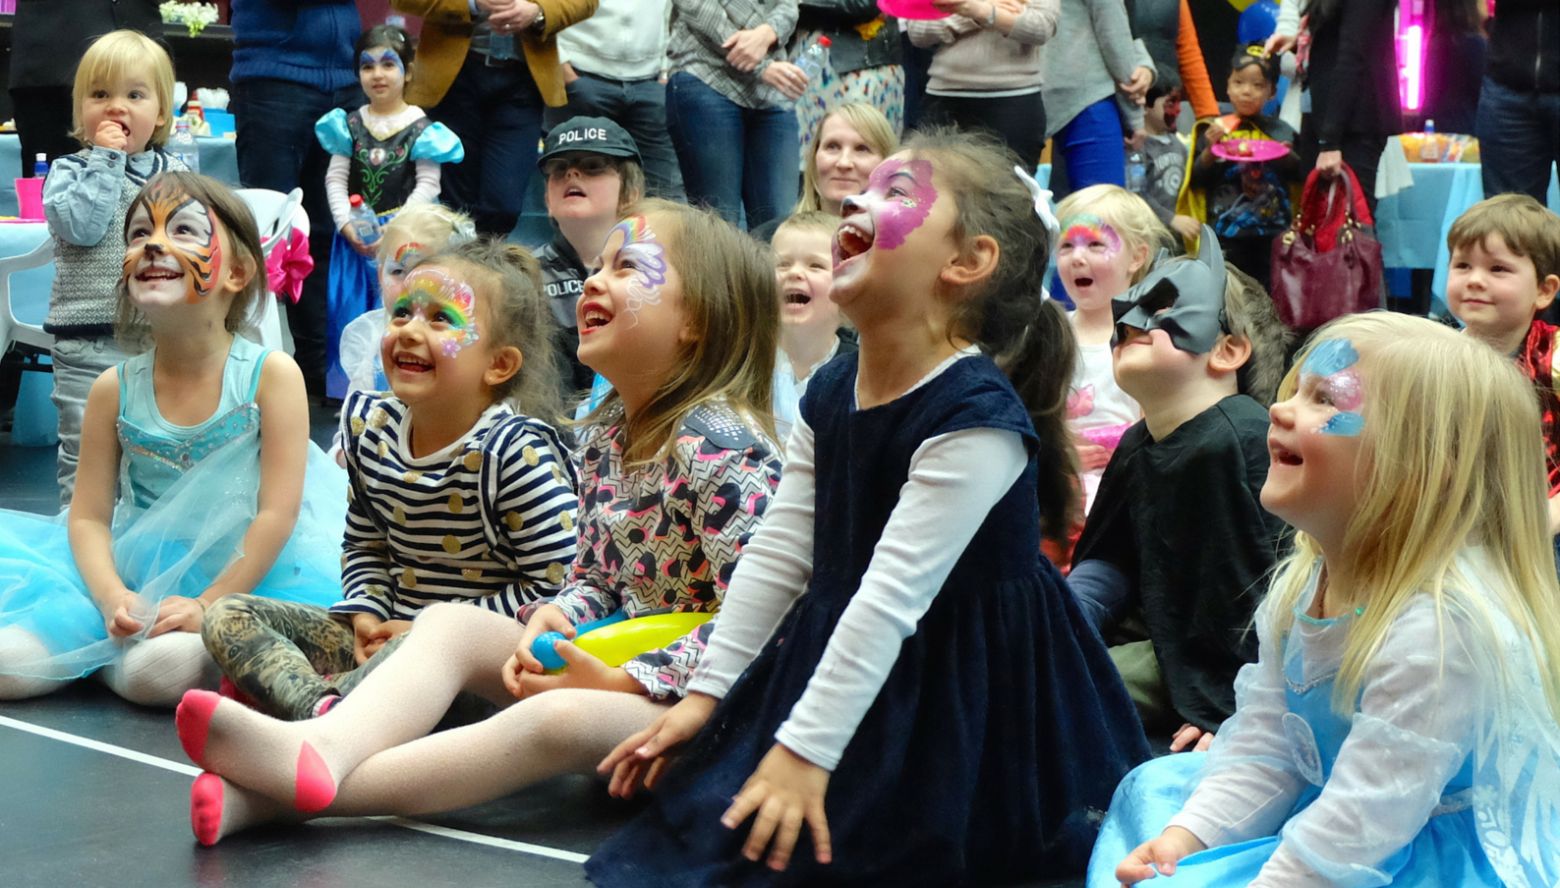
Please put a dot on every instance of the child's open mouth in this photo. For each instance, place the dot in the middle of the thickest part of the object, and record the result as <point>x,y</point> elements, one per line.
<point>593,317</point>
<point>796,297</point>
<point>156,273</point>
<point>1283,457</point>
<point>412,364</point>
<point>851,240</point>
<point>574,191</point>
<point>1083,282</point>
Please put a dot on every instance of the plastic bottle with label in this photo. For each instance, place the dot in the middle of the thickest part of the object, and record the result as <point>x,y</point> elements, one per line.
<point>1137,172</point>
<point>364,223</point>
<point>183,146</point>
<point>40,165</point>
<point>1430,148</point>
<point>814,61</point>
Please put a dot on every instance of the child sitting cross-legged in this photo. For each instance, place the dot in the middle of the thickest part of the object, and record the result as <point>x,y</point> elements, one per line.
<point>1174,552</point>
<point>455,495</point>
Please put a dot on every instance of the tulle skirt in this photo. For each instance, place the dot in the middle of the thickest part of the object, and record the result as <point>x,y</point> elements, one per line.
<point>177,546</point>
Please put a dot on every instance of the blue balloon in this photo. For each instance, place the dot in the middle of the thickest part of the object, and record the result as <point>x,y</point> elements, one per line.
<point>1258,22</point>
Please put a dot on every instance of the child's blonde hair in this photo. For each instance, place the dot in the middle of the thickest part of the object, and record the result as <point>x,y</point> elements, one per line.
<point>430,224</point>
<point>509,281</point>
<point>1451,458</point>
<point>868,122</point>
<point>1526,226</point>
<point>1141,231</point>
<point>732,304</point>
<point>115,57</point>
<point>809,220</point>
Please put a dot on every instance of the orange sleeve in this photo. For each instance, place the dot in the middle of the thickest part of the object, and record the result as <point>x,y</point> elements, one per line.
<point>1194,71</point>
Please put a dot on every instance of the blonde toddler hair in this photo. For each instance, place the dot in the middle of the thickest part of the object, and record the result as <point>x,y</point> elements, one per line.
<point>1130,215</point>
<point>115,57</point>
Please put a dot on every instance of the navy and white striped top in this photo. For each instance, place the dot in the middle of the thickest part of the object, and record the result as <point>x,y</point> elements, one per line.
<point>488,520</point>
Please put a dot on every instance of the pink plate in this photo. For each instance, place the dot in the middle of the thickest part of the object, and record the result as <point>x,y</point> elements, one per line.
<point>911,9</point>
<point>1257,150</point>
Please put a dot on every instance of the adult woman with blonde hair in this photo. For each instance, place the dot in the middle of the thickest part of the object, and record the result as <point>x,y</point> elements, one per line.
<point>846,147</point>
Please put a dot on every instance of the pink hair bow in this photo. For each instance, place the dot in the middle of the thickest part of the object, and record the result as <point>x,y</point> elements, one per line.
<point>288,264</point>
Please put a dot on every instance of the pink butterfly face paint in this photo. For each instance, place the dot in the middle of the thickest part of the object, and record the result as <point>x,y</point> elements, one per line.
<point>637,250</point>
<point>444,303</point>
<point>1329,370</point>
<point>899,195</point>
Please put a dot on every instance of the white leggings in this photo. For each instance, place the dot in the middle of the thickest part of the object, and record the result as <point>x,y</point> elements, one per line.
<point>151,671</point>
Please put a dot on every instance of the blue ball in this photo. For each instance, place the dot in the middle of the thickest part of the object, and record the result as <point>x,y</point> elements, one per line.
<point>543,650</point>
<point>1258,22</point>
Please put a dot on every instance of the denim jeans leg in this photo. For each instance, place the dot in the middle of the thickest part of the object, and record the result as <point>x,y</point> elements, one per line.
<point>1515,146</point>
<point>769,178</point>
<point>644,116</point>
<point>707,130</point>
<point>512,125</point>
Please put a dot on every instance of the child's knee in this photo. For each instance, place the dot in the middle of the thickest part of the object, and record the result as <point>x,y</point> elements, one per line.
<point>158,671</point>
<point>18,651</point>
<point>223,615</point>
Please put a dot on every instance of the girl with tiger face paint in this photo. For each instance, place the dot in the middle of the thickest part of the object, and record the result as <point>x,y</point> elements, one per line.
<point>174,246</point>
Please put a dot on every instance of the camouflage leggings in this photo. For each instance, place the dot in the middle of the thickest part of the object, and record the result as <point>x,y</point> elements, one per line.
<point>286,656</point>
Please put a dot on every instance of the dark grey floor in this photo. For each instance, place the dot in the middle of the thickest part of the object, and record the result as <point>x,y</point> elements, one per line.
<point>104,802</point>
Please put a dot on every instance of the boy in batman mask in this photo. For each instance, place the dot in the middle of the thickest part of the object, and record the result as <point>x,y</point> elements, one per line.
<point>1176,550</point>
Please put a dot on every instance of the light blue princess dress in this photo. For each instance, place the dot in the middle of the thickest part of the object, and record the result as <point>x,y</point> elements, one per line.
<point>1444,774</point>
<point>187,495</point>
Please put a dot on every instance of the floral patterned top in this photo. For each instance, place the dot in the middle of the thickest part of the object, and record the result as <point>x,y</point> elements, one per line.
<point>665,537</point>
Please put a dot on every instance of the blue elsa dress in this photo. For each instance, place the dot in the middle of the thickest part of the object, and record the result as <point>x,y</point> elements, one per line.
<point>1440,775</point>
<point>187,495</point>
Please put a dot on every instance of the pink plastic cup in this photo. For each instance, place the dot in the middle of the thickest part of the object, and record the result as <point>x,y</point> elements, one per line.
<point>29,198</point>
<point>912,9</point>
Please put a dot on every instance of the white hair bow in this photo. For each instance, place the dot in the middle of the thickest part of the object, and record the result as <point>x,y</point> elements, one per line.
<point>1042,198</point>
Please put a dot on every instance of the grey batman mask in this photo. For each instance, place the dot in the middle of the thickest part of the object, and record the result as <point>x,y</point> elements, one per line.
<point>1183,298</point>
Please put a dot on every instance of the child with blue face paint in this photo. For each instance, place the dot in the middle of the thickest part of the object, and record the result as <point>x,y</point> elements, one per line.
<point>1177,541</point>
<point>1398,727</point>
<point>386,152</point>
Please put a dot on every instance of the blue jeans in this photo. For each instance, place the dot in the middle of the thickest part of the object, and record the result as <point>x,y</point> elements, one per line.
<point>1519,137</point>
<point>1091,147</point>
<point>735,160</point>
<point>497,113</point>
<point>638,106</point>
<point>277,149</point>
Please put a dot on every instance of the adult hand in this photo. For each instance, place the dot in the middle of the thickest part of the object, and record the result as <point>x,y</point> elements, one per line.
<point>1158,856</point>
<point>492,6</point>
<point>746,48</point>
<point>786,77</point>
<point>653,747</point>
<point>1091,456</point>
<point>1188,734</point>
<point>363,626</point>
<point>1136,89</point>
<point>381,635</point>
<point>1329,163</point>
<point>569,74</point>
<point>1135,141</point>
<point>517,17</point>
<point>975,10</point>
<point>111,134</point>
<point>548,618</point>
<point>1278,44</point>
<point>786,791</point>
<point>581,670</point>
<point>121,620</point>
<point>177,613</point>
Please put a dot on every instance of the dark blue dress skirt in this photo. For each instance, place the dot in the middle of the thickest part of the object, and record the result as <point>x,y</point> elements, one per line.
<point>994,745</point>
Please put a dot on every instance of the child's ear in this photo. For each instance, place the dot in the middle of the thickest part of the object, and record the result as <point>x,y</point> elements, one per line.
<point>1547,288</point>
<point>238,271</point>
<point>504,364</point>
<point>1229,354</point>
<point>1139,259</point>
<point>976,262</point>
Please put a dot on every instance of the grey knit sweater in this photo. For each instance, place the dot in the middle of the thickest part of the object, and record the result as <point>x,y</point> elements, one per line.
<point>1092,51</point>
<point>973,59</point>
<point>85,199</point>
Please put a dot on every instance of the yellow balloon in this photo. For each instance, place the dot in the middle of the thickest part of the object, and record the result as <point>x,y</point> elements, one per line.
<point>618,643</point>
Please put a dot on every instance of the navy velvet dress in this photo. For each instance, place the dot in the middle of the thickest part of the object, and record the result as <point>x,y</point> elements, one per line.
<point>999,734</point>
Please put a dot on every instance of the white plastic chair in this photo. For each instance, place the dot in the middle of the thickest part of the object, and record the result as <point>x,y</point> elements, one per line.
<point>276,215</point>
<point>13,330</point>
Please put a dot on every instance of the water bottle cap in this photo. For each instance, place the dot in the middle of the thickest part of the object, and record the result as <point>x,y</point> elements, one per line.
<point>355,200</point>
<point>41,157</point>
<point>825,42</point>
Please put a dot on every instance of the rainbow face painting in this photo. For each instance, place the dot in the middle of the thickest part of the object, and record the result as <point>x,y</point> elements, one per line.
<point>899,195</point>
<point>1329,369</point>
<point>394,269</point>
<point>639,251</point>
<point>171,236</point>
<point>446,304</point>
<point>1087,231</point>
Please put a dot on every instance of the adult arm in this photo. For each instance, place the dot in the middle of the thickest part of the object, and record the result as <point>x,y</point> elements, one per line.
<point>1112,33</point>
<point>559,14</point>
<point>954,480</point>
<point>439,11</point>
<point>81,195</point>
<point>938,32</point>
<point>707,20</point>
<point>1194,69</point>
<point>1035,24</point>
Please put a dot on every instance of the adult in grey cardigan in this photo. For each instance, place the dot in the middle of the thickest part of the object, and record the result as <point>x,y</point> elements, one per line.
<point>1090,58</point>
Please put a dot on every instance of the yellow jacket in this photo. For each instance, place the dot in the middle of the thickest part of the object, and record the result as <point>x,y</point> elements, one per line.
<point>446,38</point>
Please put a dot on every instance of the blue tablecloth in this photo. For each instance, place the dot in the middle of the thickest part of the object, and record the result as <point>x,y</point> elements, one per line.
<point>218,159</point>
<point>1413,223</point>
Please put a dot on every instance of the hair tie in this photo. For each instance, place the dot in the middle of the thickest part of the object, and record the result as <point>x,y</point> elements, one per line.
<point>1041,197</point>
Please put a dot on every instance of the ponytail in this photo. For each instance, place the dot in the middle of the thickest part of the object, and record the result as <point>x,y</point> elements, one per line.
<point>1040,367</point>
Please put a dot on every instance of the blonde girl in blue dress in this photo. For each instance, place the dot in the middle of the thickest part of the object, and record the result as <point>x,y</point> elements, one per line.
<point>1399,725</point>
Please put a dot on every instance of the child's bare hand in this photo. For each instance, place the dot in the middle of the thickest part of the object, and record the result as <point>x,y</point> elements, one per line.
<point>1189,734</point>
<point>581,670</point>
<point>363,626</point>
<point>1187,227</point>
<point>356,244</point>
<point>1216,133</point>
<point>1158,856</point>
<point>125,617</point>
<point>381,635</point>
<point>649,751</point>
<point>548,618</point>
<point>786,791</point>
<point>177,613</point>
<point>112,134</point>
<point>1091,456</point>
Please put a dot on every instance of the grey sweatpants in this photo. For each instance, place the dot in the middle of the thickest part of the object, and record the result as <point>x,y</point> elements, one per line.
<point>77,364</point>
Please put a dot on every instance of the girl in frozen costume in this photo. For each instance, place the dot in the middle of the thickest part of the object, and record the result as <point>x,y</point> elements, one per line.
<point>192,475</point>
<point>916,683</point>
<point>387,153</point>
<point>1399,726</point>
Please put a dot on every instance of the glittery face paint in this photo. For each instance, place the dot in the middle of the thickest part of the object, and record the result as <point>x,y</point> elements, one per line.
<point>393,270</point>
<point>900,195</point>
<point>637,249</point>
<point>1329,368</point>
<point>446,304</point>
<point>1087,231</point>
<point>374,56</point>
<point>170,233</point>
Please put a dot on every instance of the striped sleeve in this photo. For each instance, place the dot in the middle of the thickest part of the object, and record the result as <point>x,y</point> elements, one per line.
<point>365,555</point>
<point>532,501</point>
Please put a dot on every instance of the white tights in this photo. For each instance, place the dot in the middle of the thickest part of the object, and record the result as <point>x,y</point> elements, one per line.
<point>151,671</point>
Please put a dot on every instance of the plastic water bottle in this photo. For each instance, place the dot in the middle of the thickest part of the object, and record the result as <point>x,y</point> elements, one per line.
<point>815,60</point>
<point>1430,148</point>
<point>365,224</point>
<point>183,146</point>
<point>1137,172</point>
<point>40,166</point>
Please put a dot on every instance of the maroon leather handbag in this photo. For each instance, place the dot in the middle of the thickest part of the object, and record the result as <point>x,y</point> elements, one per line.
<point>1328,264</point>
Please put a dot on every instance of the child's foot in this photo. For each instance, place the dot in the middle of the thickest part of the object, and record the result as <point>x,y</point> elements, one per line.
<point>253,750</point>
<point>219,808</point>
<point>228,689</point>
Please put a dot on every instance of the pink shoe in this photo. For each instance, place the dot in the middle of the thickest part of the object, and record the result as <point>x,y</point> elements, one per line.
<point>228,689</point>
<point>193,721</point>
<point>206,808</point>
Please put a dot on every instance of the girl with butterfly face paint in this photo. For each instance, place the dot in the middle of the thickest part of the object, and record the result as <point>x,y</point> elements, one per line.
<point>193,457</point>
